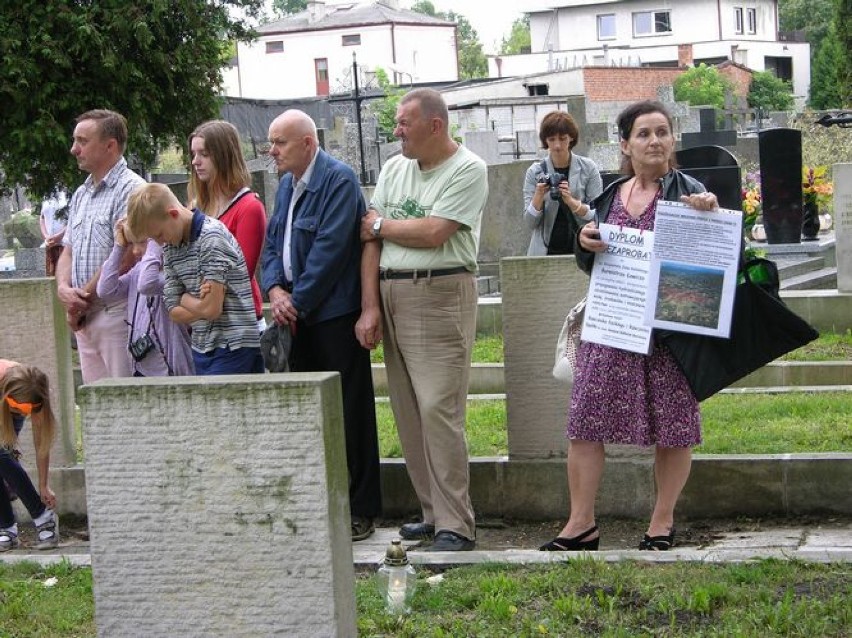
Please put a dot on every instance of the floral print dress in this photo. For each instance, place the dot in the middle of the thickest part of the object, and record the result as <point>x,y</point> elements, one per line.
<point>626,397</point>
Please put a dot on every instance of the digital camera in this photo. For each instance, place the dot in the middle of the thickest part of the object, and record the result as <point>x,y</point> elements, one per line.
<point>553,180</point>
<point>140,348</point>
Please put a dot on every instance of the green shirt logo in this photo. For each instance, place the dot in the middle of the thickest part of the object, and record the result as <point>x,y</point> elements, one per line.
<point>407,209</point>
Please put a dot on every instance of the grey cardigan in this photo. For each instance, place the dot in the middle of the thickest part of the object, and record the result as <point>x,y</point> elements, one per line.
<point>585,182</point>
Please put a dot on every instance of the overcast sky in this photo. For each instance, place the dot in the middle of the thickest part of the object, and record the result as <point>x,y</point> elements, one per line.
<point>492,19</point>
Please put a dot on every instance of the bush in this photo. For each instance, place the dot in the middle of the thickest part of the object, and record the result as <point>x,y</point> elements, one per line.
<point>702,86</point>
<point>769,93</point>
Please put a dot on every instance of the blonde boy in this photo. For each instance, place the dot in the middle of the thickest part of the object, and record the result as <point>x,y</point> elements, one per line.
<point>207,282</point>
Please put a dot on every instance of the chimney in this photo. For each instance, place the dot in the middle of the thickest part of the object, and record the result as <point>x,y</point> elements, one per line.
<point>684,55</point>
<point>316,10</point>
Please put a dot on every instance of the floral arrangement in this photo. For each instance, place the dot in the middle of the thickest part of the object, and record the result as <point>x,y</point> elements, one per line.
<point>816,187</point>
<point>752,206</point>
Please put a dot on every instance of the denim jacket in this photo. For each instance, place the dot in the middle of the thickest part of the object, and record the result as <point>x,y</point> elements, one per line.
<point>325,247</point>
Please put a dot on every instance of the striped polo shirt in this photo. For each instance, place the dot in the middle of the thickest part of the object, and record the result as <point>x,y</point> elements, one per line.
<point>212,254</point>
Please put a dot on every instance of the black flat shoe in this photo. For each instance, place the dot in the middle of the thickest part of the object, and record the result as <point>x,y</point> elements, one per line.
<point>658,543</point>
<point>574,544</point>
<point>447,541</point>
<point>417,531</point>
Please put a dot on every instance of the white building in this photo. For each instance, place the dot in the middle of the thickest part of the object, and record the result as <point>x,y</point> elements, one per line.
<point>576,33</point>
<point>310,53</point>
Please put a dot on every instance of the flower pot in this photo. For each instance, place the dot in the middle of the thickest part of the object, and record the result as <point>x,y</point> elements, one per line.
<point>810,220</point>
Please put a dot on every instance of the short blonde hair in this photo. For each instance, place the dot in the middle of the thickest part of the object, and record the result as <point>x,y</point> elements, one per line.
<point>148,202</point>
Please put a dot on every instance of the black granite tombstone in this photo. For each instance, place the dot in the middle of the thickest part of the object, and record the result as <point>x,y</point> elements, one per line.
<point>717,169</point>
<point>780,152</point>
<point>708,134</point>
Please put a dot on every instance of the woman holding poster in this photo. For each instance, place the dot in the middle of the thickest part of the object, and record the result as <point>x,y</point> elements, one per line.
<point>624,397</point>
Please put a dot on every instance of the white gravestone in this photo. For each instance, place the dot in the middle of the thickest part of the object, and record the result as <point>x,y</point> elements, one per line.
<point>218,506</point>
<point>842,177</point>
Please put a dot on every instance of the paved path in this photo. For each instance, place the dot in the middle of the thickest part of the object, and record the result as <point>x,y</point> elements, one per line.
<point>794,543</point>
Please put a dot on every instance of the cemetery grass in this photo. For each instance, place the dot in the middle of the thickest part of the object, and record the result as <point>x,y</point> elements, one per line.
<point>829,346</point>
<point>731,424</point>
<point>585,597</point>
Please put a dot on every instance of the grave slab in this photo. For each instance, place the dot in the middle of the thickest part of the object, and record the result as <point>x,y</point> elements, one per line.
<point>218,506</point>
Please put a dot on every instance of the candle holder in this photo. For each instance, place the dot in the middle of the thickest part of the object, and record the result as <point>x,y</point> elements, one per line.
<point>397,579</point>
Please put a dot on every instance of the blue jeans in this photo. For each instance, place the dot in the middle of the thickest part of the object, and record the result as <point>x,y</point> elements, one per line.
<point>225,361</point>
<point>16,477</point>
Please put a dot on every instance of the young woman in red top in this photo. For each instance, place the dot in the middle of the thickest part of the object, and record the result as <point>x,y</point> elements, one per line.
<point>219,187</point>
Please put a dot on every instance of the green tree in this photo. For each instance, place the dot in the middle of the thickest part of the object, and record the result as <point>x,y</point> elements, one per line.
<point>283,8</point>
<point>844,37</point>
<point>158,62</point>
<point>769,93</point>
<point>702,86</point>
<point>811,16</point>
<point>385,108</point>
<point>826,71</point>
<point>519,37</point>
<point>472,61</point>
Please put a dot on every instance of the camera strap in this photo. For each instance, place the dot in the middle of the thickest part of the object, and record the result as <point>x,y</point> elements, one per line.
<point>132,323</point>
<point>152,328</point>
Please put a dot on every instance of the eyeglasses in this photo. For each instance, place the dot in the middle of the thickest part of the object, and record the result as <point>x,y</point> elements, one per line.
<point>26,408</point>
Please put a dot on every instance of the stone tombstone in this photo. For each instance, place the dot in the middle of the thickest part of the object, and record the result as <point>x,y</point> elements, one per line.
<point>33,331</point>
<point>709,134</point>
<point>218,506</point>
<point>528,144</point>
<point>537,294</point>
<point>717,169</point>
<point>842,177</point>
<point>781,184</point>
<point>485,145</point>
<point>30,262</point>
<point>504,232</point>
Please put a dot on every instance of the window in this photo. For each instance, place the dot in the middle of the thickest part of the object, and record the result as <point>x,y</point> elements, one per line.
<point>275,46</point>
<point>738,20</point>
<point>352,40</point>
<point>751,15</point>
<point>538,89</point>
<point>651,23</point>
<point>606,26</point>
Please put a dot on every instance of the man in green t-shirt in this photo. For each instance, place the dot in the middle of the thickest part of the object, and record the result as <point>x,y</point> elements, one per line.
<point>421,238</point>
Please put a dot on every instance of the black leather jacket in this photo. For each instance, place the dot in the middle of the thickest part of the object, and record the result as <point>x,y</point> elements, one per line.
<point>674,184</point>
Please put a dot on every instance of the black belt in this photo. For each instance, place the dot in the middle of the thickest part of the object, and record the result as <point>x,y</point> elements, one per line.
<point>420,274</point>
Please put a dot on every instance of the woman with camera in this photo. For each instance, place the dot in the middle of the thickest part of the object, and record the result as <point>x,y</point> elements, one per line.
<point>625,397</point>
<point>133,271</point>
<point>558,189</point>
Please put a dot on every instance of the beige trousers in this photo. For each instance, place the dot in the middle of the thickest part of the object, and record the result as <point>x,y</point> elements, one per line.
<point>429,329</point>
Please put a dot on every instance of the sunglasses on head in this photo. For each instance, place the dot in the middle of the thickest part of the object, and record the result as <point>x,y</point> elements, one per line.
<point>25,407</point>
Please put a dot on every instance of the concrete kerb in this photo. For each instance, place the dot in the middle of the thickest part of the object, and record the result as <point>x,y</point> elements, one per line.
<point>798,543</point>
<point>536,489</point>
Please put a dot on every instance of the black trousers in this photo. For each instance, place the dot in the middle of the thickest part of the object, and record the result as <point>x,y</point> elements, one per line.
<point>331,346</point>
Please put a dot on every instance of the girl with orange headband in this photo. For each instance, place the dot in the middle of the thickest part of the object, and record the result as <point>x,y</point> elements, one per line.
<point>24,392</point>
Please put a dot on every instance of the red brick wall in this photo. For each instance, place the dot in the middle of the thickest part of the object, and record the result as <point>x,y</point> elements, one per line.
<point>612,84</point>
<point>740,77</point>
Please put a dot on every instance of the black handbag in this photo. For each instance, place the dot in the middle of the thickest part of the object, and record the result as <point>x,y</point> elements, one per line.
<point>763,328</point>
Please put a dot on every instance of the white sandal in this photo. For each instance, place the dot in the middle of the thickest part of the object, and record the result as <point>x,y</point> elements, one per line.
<point>47,534</point>
<point>8,540</point>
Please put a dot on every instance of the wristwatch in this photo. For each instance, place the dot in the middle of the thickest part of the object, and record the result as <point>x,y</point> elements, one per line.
<point>377,226</point>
